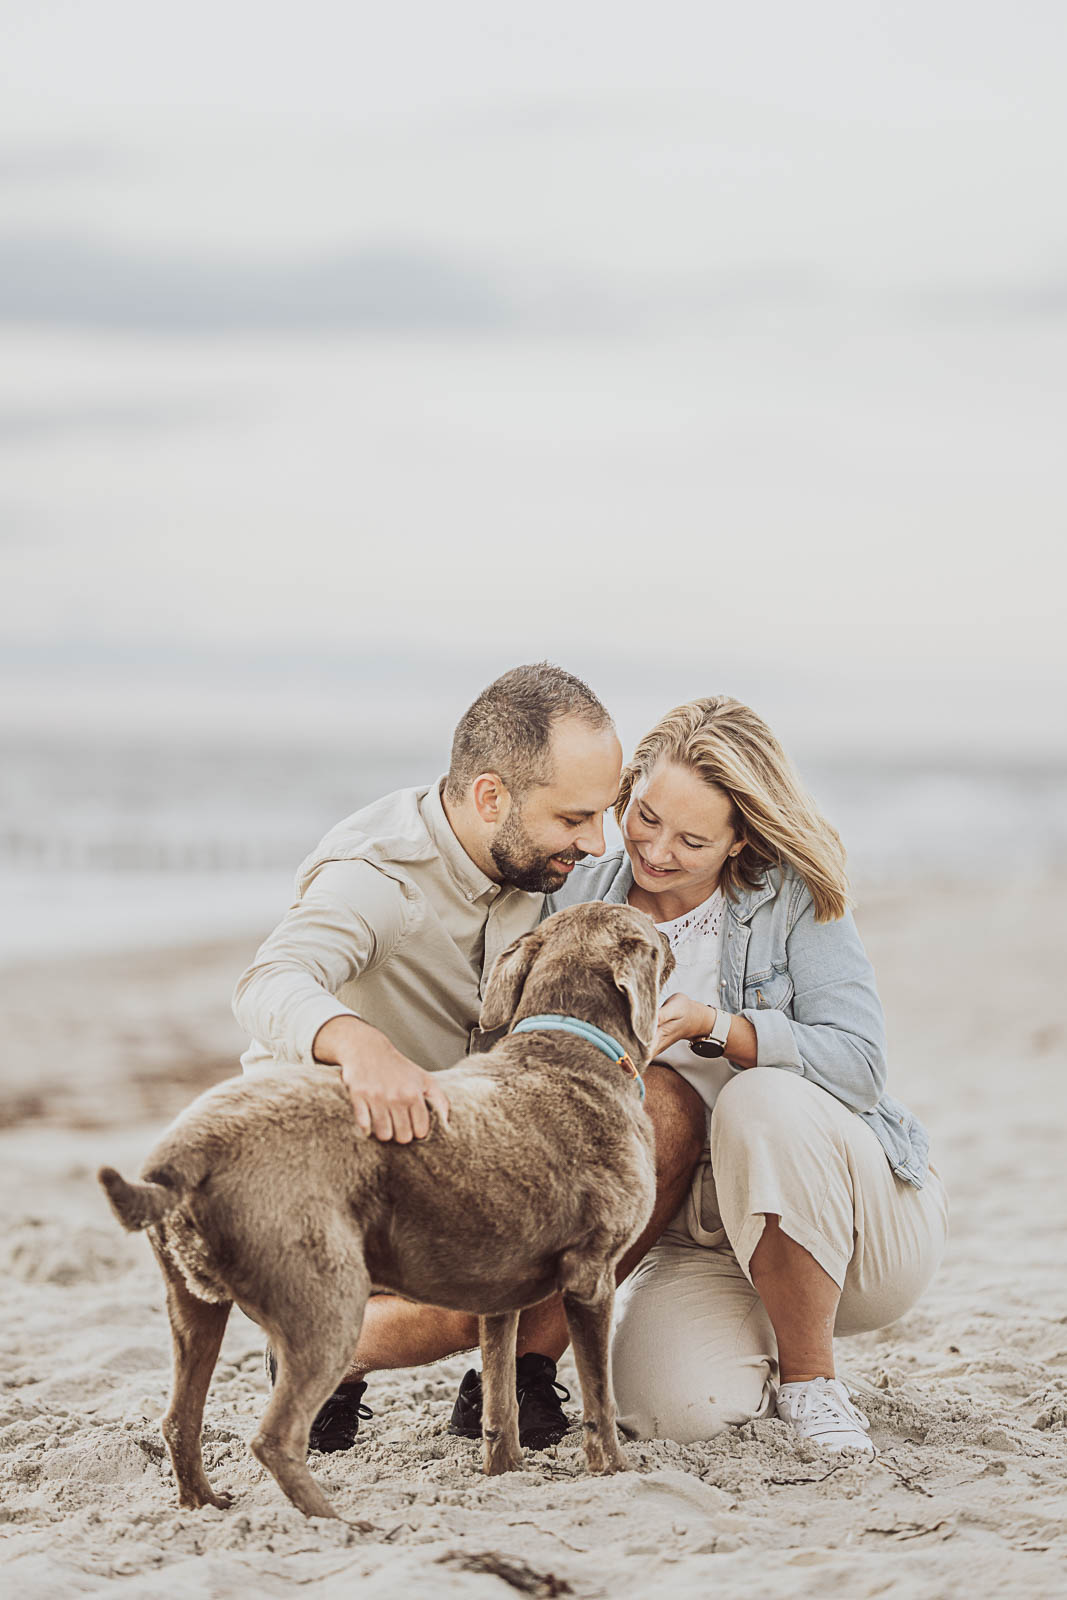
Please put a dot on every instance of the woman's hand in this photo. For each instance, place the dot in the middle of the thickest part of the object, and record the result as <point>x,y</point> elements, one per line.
<point>681,1018</point>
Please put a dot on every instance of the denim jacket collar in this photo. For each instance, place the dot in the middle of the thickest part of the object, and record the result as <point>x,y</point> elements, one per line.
<point>749,901</point>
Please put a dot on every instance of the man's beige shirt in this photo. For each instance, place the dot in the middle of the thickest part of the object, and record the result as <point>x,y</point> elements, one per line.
<point>392,922</point>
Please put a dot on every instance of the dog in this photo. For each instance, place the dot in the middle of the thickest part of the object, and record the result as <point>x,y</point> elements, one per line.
<point>265,1194</point>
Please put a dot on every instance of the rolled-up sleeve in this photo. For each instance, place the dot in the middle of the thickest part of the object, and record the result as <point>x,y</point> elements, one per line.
<point>836,1035</point>
<point>350,918</point>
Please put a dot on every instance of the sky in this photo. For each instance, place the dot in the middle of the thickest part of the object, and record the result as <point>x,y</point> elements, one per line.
<point>692,340</point>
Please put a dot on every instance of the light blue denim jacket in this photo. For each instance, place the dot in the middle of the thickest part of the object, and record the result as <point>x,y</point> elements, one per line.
<point>807,988</point>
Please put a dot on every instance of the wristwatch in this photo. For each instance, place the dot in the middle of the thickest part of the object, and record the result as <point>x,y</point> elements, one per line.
<point>714,1043</point>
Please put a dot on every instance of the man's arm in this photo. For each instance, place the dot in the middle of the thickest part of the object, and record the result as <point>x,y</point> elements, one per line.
<point>350,919</point>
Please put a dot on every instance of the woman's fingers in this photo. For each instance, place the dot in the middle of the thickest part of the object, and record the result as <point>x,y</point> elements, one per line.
<point>679,1018</point>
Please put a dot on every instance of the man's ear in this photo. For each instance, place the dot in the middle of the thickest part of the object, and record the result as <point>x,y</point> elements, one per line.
<point>640,976</point>
<point>506,980</point>
<point>490,797</point>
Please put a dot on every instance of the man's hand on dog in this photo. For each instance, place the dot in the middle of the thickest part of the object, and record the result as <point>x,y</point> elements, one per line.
<point>390,1095</point>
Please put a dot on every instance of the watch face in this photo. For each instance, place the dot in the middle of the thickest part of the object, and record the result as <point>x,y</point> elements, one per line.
<point>707,1047</point>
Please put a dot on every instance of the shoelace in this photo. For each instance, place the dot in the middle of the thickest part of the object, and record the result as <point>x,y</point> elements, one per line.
<point>534,1381</point>
<point>828,1402</point>
<point>339,1408</point>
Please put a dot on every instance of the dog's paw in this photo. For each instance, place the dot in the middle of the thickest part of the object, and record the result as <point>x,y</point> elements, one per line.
<point>603,1457</point>
<point>197,1499</point>
<point>499,1458</point>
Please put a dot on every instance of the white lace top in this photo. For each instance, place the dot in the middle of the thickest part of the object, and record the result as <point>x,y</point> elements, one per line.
<point>696,944</point>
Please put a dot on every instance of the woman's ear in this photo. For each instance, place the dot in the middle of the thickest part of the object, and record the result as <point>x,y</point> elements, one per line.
<point>506,980</point>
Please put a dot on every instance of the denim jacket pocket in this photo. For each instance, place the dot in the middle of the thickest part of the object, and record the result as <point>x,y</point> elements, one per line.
<point>769,991</point>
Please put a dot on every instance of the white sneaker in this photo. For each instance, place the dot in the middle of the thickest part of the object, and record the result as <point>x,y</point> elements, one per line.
<point>822,1410</point>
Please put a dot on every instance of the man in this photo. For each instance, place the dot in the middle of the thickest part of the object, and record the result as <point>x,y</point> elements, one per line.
<point>379,969</point>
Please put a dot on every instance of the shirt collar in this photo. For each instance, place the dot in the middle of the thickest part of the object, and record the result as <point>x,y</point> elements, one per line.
<point>466,874</point>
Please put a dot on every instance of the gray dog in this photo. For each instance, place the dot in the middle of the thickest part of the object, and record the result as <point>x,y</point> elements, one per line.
<point>264,1193</point>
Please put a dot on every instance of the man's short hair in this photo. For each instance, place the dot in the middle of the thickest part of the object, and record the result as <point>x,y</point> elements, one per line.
<point>508,729</point>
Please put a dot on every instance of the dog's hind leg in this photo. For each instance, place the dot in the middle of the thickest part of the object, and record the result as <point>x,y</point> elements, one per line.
<point>589,1323</point>
<point>197,1327</point>
<point>313,1333</point>
<point>500,1407</point>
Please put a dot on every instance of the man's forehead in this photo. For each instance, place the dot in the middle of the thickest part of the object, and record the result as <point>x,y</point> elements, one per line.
<point>581,769</point>
<point>582,799</point>
<point>572,734</point>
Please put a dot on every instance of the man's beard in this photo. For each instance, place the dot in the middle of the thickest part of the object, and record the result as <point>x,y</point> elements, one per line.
<point>521,864</point>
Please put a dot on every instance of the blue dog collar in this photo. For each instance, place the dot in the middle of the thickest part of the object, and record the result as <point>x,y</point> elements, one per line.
<point>551,1023</point>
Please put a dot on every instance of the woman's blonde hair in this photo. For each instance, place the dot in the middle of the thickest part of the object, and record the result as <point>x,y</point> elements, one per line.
<point>727,745</point>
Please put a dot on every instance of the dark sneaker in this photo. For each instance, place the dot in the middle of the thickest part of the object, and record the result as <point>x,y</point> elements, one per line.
<point>466,1419</point>
<point>337,1424</point>
<point>338,1421</point>
<point>542,1419</point>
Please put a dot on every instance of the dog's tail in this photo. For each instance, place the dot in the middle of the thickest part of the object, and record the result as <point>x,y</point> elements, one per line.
<point>138,1205</point>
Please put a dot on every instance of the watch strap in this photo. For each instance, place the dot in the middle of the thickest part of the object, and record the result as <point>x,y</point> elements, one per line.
<point>713,1044</point>
<point>721,1029</point>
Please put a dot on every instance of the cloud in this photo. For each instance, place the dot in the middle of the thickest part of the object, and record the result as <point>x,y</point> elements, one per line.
<point>75,282</point>
<point>72,162</point>
<point>81,283</point>
<point>1039,299</point>
<point>19,423</point>
<point>68,281</point>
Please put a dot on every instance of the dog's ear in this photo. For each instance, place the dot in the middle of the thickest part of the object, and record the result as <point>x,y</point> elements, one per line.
<point>640,977</point>
<point>506,980</point>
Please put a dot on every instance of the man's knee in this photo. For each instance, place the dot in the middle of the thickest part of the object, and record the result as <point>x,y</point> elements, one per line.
<point>679,1119</point>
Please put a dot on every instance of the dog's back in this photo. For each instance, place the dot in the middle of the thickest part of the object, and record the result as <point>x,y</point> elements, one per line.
<point>262,1166</point>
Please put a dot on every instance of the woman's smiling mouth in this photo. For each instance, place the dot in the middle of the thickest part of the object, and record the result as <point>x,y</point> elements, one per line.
<point>655,872</point>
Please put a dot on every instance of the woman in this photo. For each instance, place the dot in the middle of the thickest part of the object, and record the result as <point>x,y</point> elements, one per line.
<point>814,1211</point>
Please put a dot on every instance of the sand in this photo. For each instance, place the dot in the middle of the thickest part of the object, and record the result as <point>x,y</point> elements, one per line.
<point>967,1394</point>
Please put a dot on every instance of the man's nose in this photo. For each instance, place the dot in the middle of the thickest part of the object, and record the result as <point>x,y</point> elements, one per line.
<point>591,839</point>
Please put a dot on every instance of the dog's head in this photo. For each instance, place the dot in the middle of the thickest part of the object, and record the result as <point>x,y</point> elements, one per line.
<point>565,962</point>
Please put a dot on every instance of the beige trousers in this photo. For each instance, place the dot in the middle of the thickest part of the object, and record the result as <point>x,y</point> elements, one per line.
<point>694,1351</point>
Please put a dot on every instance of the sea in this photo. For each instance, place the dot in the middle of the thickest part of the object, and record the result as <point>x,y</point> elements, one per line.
<point>113,840</point>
